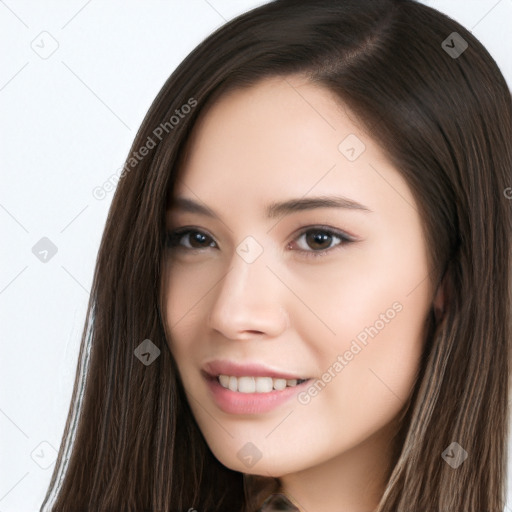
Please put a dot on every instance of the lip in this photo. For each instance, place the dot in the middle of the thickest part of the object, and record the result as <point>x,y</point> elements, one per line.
<point>251,369</point>
<point>234,402</point>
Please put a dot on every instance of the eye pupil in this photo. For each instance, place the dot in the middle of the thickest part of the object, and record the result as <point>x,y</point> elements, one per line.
<point>197,237</point>
<point>319,237</point>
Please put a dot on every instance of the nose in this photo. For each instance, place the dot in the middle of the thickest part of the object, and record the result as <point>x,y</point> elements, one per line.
<point>248,301</point>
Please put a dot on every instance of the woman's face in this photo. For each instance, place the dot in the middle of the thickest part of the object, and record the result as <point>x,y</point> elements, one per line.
<point>337,294</point>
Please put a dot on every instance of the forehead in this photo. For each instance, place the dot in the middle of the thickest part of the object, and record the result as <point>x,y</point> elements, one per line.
<point>281,126</point>
<point>284,138</point>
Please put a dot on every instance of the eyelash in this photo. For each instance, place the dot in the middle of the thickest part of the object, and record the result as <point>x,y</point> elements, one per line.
<point>175,236</point>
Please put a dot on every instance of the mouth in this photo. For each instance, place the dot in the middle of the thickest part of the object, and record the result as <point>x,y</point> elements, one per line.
<point>250,387</point>
<point>250,395</point>
<point>253,384</point>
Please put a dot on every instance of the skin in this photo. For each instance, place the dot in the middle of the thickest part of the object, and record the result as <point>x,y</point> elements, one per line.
<point>275,141</point>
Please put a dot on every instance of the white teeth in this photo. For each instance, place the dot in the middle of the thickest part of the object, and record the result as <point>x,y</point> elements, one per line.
<point>255,384</point>
<point>224,380</point>
<point>246,384</point>
<point>263,384</point>
<point>279,384</point>
<point>233,383</point>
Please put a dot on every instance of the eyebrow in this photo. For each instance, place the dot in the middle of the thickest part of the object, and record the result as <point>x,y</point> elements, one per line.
<point>276,209</point>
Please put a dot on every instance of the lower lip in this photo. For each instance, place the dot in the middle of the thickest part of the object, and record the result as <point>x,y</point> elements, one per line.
<point>234,402</point>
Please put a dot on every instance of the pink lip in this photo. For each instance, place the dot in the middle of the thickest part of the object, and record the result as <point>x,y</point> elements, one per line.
<point>224,367</point>
<point>234,402</point>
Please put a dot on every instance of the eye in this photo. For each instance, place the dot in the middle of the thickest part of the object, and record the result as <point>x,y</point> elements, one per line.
<point>199,238</point>
<point>317,237</point>
<point>322,236</point>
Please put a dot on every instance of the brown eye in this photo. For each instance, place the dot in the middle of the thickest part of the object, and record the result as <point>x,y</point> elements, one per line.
<point>318,240</point>
<point>196,239</point>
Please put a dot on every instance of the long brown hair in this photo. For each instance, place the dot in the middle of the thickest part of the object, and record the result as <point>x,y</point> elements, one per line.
<point>442,113</point>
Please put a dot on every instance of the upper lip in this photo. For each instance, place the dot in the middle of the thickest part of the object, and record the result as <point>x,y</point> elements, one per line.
<point>251,369</point>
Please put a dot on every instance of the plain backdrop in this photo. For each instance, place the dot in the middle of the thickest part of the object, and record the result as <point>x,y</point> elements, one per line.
<point>76,79</point>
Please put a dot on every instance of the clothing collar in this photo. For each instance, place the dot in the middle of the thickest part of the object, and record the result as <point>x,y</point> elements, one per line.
<point>263,494</point>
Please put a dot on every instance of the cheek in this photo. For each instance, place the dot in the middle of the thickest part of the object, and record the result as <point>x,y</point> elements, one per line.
<point>381,370</point>
<point>368,366</point>
<point>185,288</point>
<point>361,298</point>
<point>374,360</point>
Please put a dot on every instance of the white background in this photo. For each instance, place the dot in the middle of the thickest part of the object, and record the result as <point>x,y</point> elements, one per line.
<point>67,124</point>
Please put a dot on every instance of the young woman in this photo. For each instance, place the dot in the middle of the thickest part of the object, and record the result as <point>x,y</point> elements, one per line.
<point>302,298</point>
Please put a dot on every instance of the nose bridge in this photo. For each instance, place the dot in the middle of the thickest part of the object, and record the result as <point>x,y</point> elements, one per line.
<point>247,274</point>
<point>248,296</point>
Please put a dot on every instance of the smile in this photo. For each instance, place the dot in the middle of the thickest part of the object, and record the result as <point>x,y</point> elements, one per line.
<point>244,400</point>
<point>256,384</point>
